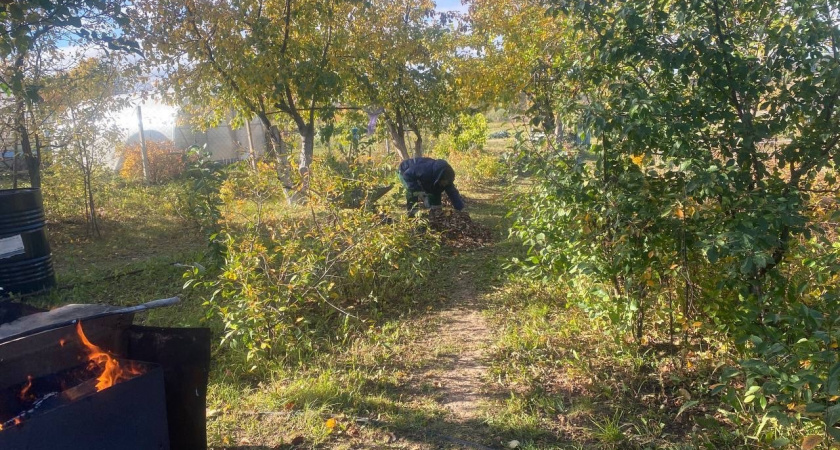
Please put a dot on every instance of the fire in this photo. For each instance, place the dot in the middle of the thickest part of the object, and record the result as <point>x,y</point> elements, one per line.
<point>112,373</point>
<point>24,393</point>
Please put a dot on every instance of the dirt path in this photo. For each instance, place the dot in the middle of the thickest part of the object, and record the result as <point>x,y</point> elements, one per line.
<point>457,371</point>
<point>455,374</point>
<point>462,381</point>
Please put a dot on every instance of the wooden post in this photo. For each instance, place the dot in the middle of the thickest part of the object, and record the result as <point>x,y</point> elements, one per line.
<point>251,155</point>
<point>143,156</point>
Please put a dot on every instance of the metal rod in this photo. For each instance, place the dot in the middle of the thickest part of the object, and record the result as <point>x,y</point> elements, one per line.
<point>129,310</point>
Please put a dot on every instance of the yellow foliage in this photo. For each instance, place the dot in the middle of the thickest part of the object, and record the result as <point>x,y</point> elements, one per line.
<point>165,162</point>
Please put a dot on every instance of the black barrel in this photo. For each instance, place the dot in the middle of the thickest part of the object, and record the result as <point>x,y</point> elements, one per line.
<point>25,258</point>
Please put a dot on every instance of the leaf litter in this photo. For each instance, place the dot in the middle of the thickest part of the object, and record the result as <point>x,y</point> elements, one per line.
<point>458,229</point>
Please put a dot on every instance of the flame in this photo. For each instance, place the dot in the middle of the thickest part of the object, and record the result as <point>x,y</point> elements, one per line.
<point>111,370</point>
<point>24,393</point>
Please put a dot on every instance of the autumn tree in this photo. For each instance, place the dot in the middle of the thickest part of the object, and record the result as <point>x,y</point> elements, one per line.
<point>403,62</point>
<point>520,49</point>
<point>83,135</point>
<point>273,59</point>
<point>30,33</point>
<point>164,162</point>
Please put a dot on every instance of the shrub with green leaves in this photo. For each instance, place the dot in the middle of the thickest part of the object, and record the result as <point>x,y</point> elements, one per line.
<point>352,183</point>
<point>199,200</point>
<point>469,133</point>
<point>715,128</point>
<point>294,279</point>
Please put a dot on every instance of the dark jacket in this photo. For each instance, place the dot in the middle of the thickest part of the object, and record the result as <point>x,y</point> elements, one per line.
<point>433,176</point>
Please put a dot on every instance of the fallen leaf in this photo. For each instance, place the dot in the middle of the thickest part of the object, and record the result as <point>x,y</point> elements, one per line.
<point>811,441</point>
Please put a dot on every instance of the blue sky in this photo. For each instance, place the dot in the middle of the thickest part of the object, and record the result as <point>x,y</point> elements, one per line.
<point>450,5</point>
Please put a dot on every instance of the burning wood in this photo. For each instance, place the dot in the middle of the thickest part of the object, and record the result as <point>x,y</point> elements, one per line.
<point>17,420</point>
<point>101,372</point>
<point>99,359</point>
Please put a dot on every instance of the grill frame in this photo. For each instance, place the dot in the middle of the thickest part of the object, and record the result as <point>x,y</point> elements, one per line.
<point>130,415</point>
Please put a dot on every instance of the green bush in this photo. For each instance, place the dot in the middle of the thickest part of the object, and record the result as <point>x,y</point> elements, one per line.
<point>477,167</point>
<point>297,284</point>
<point>637,251</point>
<point>355,183</point>
<point>63,192</point>
<point>463,148</point>
<point>443,146</point>
<point>469,133</point>
<point>293,279</point>
<point>790,370</point>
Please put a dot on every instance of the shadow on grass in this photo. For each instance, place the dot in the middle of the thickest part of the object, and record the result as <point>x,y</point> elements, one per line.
<point>413,427</point>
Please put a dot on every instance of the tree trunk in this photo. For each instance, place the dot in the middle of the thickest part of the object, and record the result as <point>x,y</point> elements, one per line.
<point>86,166</point>
<point>640,315</point>
<point>277,149</point>
<point>398,135</point>
<point>418,145</point>
<point>92,219</point>
<point>305,160</point>
<point>252,155</point>
<point>33,161</point>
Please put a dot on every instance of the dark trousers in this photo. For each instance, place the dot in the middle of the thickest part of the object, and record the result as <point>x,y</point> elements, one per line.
<point>411,197</point>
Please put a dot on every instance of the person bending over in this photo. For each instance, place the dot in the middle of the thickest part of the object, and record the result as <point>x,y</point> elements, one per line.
<point>426,179</point>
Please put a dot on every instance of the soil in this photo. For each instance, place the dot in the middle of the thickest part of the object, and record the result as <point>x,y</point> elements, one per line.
<point>456,372</point>
<point>462,380</point>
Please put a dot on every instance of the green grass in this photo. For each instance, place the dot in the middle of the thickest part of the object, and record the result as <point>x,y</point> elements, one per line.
<point>565,383</point>
<point>575,383</point>
<point>135,259</point>
<point>608,430</point>
<point>372,377</point>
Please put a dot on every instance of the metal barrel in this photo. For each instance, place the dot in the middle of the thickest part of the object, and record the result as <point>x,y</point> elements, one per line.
<point>25,259</point>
